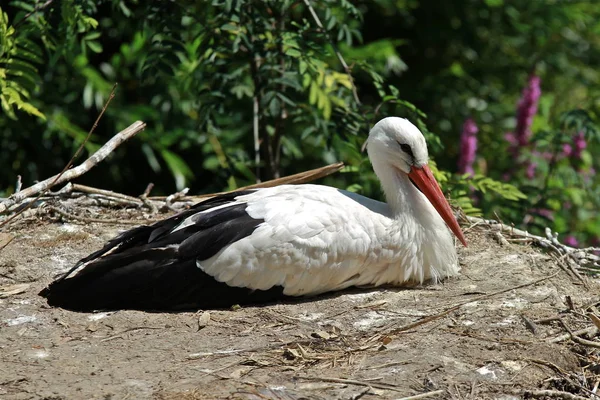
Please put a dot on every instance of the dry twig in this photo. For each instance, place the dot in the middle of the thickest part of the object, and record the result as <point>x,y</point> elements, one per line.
<point>88,220</point>
<point>108,194</point>
<point>41,187</point>
<point>73,173</point>
<point>424,395</point>
<point>584,342</point>
<point>569,258</point>
<point>144,198</point>
<point>590,330</point>
<point>296,179</point>
<point>174,197</point>
<point>383,386</point>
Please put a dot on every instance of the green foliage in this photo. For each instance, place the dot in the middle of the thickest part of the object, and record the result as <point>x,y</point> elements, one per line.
<point>563,190</point>
<point>232,91</point>
<point>18,74</point>
<point>462,190</point>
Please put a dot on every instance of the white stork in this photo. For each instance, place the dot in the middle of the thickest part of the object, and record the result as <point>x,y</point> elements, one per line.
<point>262,245</point>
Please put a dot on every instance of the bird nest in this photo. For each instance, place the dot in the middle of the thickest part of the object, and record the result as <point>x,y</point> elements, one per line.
<point>519,320</point>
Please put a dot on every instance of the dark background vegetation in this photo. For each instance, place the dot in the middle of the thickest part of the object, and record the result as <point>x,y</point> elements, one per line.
<point>202,73</point>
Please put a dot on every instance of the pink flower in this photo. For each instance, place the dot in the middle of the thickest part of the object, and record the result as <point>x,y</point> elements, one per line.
<point>544,212</point>
<point>571,241</point>
<point>580,145</point>
<point>567,150</point>
<point>526,110</point>
<point>511,139</point>
<point>468,147</point>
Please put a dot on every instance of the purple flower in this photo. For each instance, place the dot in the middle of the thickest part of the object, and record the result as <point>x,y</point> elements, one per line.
<point>531,167</point>
<point>571,241</point>
<point>580,145</point>
<point>468,147</point>
<point>545,155</point>
<point>526,110</point>
<point>567,150</point>
<point>511,139</point>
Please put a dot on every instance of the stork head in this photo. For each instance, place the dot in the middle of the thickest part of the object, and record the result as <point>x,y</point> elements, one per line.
<point>403,145</point>
<point>400,142</point>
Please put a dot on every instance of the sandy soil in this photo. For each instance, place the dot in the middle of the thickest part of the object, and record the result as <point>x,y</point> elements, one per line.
<point>469,338</point>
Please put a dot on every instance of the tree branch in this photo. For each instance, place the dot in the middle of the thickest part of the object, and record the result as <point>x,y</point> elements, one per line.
<point>296,179</point>
<point>254,64</point>
<point>73,173</point>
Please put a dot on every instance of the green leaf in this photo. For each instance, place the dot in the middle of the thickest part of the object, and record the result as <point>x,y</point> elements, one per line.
<point>96,47</point>
<point>178,167</point>
<point>293,53</point>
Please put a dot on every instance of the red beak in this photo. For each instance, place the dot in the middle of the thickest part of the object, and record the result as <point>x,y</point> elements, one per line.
<point>423,178</point>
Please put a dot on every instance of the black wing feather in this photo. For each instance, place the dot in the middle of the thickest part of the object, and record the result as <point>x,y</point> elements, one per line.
<point>153,268</point>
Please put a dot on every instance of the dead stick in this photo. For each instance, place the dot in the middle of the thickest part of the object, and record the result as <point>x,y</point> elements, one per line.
<point>423,395</point>
<point>103,192</point>
<point>351,382</point>
<point>542,241</point>
<point>144,198</point>
<point>56,178</point>
<point>76,172</point>
<point>560,371</point>
<point>302,177</point>
<point>575,255</point>
<point>299,178</point>
<point>100,220</point>
<point>584,342</point>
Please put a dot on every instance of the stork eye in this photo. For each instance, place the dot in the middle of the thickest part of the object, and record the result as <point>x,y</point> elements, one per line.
<point>406,148</point>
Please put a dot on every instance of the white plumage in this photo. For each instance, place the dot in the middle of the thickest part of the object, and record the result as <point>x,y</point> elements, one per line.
<point>316,239</point>
<point>311,239</point>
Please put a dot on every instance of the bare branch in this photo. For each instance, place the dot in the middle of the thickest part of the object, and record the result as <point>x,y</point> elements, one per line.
<point>73,173</point>
<point>255,130</point>
<point>19,184</point>
<point>302,177</point>
<point>70,216</point>
<point>51,183</point>
<point>144,198</point>
<point>75,187</point>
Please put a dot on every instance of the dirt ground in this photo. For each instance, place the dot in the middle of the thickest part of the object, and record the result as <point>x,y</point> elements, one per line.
<point>479,336</point>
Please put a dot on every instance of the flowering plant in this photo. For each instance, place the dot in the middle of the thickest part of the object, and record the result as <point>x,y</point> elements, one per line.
<point>550,162</point>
